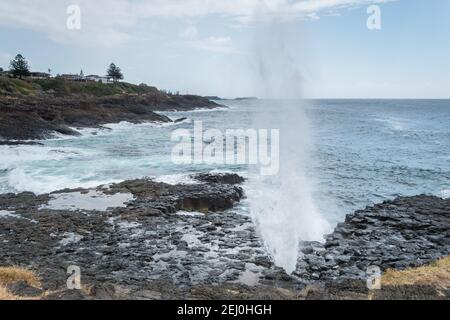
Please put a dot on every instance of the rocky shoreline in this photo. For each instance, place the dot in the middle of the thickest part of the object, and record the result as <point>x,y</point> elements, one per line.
<point>40,117</point>
<point>161,241</point>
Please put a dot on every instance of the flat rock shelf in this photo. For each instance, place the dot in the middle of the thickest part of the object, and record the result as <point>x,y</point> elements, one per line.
<point>163,241</point>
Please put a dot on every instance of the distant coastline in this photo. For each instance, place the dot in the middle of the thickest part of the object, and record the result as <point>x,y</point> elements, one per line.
<point>216,98</point>
<point>33,109</point>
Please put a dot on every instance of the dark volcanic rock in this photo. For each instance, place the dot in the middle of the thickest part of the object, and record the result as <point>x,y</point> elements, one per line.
<point>405,232</point>
<point>357,290</point>
<point>38,117</point>
<point>18,143</point>
<point>171,198</point>
<point>224,178</point>
<point>134,245</point>
<point>180,120</point>
<point>22,289</point>
<point>148,249</point>
<point>68,295</point>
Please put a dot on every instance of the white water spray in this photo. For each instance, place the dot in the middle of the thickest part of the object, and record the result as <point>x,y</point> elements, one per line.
<point>282,206</point>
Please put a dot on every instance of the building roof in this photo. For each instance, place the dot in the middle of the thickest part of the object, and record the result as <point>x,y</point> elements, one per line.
<point>40,73</point>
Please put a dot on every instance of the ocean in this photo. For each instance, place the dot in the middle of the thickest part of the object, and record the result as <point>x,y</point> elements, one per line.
<point>360,152</point>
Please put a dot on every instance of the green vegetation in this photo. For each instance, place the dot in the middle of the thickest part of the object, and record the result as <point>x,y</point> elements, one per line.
<point>10,86</point>
<point>19,67</point>
<point>63,87</point>
<point>114,72</point>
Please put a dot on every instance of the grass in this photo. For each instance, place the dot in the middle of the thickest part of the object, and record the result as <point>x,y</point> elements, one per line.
<point>436,274</point>
<point>10,86</point>
<point>5,295</point>
<point>16,86</point>
<point>10,275</point>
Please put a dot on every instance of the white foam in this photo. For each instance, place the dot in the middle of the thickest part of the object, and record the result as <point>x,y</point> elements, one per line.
<point>20,180</point>
<point>445,194</point>
<point>19,164</point>
<point>89,132</point>
<point>192,239</point>
<point>125,125</point>
<point>93,200</point>
<point>203,110</point>
<point>250,277</point>
<point>126,225</point>
<point>395,124</point>
<point>69,238</point>
<point>111,128</point>
<point>176,179</point>
<point>9,214</point>
<point>190,214</point>
<point>13,156</point>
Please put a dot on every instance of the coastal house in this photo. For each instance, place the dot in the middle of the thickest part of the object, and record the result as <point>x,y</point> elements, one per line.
<point>96,78</point>
<point>71,77</point>
<point>39,75</point>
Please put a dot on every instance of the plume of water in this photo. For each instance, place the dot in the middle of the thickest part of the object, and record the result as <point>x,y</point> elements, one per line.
<point>282,205</point>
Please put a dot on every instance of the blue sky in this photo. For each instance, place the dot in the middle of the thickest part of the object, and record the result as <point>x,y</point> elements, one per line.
<point>267,48</point>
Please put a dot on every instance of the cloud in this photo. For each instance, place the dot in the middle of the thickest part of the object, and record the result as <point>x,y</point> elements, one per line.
<point>211,44</point>
<point>243,10</point>
<point>111,22</point>
<point>103,23</point>
<point>190,32</point>
<point>214,44</point>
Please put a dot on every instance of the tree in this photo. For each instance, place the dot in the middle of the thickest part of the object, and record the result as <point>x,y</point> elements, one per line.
<point>19,67</point>
<point>1,69</point>
<point>114,72</point>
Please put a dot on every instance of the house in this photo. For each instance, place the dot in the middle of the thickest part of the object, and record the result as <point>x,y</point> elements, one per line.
<point>39,75</point>
<point>96,78</point>
<point>72,77</point>
<point>5,73</point>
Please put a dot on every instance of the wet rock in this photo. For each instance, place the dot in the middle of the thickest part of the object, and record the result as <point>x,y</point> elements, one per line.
<point>224,178</point>
<point>23,289</point>
<point>180,120</point>
<point>146,251</point>
<point>68,295</point>
<point>40,116</point>
<point>405,232</point>
<point>103,292</point>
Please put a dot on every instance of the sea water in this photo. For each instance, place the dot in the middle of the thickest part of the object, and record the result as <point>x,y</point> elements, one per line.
<point>359,152</point>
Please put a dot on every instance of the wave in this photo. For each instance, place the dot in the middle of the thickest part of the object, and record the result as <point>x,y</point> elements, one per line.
<point>19,180</point>
<point>182,178</point>
<point>198,110</point>
<point>13,156</point>
<point>125,125</point>
<point>393,123</point>
<point>111,128</point>
<point>445,194</point>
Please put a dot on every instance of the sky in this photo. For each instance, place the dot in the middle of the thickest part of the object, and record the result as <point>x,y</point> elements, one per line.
<point>231,48</point>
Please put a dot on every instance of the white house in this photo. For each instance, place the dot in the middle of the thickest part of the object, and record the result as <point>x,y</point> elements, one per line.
<point>39,75</point>
<point>97,78</point>
<point>73,77</point>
